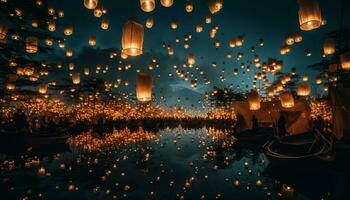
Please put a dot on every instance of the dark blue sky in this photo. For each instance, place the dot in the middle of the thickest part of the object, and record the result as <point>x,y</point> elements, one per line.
<point>255,19</point>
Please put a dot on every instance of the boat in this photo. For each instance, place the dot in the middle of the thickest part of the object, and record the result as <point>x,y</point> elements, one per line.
<point>304,149</point>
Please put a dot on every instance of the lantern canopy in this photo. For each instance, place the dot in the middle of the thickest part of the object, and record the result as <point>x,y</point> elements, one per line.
<point>287,99</point>
<point>254,100</point>
<point>309,15</point>
<point>147,5</point>
<point>132,39</point>
<point>144,84</point>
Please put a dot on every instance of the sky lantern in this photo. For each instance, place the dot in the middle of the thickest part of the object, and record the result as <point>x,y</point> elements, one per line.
<point>98,11</point>
<point>232,42</point>
<point>207,19</point>
<point>31,44</point>
<point>287,99</point>
<point>189,6</point>
<point>289,40</point>
<point>329,46</point>
<point>167,3</point>
<point>199,28</point>
<point>173,24</point>
<point>303,89</point>
<point>215,5</point>
<point>105,24</point>
<point>144,84</point>
<point>68,30</point>
<point>86,71</point>
<point>309,15</point>
<point>3,31</point>
<point>132,39</point>
<point>92,40</point>
<point>10,86</point>
<point>42,88</point>
<point>149,22</point>
<point>90,4</point>
<point>254,100</point>
<point>191,59</point>
<point>76,78</point>
<point>69,52</point>
<point>345,60</point>
<point>318,80</point>
<point>147,5</point>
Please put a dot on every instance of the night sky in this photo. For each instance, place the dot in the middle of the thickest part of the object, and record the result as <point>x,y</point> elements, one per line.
<point>270,20</point>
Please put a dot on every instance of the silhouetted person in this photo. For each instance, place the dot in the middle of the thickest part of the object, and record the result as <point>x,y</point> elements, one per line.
<point>282,126</point>
<point>255,123</point>
<point>20,121</point>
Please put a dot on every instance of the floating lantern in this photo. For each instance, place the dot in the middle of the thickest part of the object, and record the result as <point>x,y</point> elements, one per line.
<point>10,86</point>
<point>105,24</point>
<point>287,99</point>
<point>149,22</point>
<point>35,23</point>
<point>132,39</point>
<point>90,4</point>
<point>42,88</point>
<point>60,14</point>
<point>69,52</point>
<point>189,7</point>
<point>167,3</point>
<point>41,171</point>
<point>3,30</point>
<point>147,5</point>
<point>199,28</point>
<point>329,46</point>
<point>318,80</point>
<point>305,77</point>
<point>289,40</point>
<point>207,19</point>
<point>254,100</point>
<point>92,40</point>
<point>51,25</point>
<point>76,78</point>
<point>68,30</point>
<point>31,44</point>
<point>298,38</point>
<point>98,12</point>
<point>309,15</point>
<point>303,89</point>
<point>191,59</point>
<point>173,24</point>
<point>86,71</point>
<point>144,86</point>
<point>215,6</point>
<point>49,41</point>
<point>345,60</point>
<point>232,42</point>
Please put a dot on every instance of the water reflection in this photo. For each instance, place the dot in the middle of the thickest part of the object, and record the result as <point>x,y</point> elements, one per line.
<point>177,163</point>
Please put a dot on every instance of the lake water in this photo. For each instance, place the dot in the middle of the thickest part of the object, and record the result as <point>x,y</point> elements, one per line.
<point>171,164</point>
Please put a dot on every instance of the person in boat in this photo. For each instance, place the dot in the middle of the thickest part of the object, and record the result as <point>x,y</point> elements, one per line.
<point>255,123</point>
<point>239,123</point>
<point>282,126</point>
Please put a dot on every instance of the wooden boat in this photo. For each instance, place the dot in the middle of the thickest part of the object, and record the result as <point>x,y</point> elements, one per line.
<point>302,150</point>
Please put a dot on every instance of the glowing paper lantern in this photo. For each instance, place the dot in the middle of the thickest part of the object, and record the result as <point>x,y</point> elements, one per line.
<point>69,52</point>
<point>147,5</point>
<point>167,3</point>
<point>105,24</point>
<point>287,99</point>
<point>132,39</point>
<point>189,7</point>
<point>345,60</point>
<point>303,89</point>
<point>86,71</point>
<point>31,44</point>
<point>309,15</point>
<point>199,28</point>
<point>144,84</point>
<point>92,40</point>
<point>10,86</point>
<point>254,100</point>
<point>215,6</point>
<point>90,4</point>
<point>68,30</point>
<point>329,46</point>
<point>42,88</point>
<point>149,22</point>
<point>191,59</point>
<point>76,78</point>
